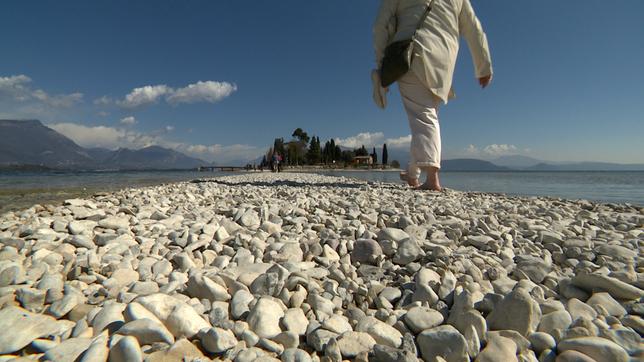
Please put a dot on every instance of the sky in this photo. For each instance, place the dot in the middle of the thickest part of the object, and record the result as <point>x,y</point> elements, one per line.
<point>220,80</point>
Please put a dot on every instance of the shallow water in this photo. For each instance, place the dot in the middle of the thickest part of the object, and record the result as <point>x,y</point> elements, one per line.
<point>613,187</point>
<point>23,189</point>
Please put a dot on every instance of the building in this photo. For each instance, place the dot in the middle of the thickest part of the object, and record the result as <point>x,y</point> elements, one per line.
<point>362,161</point>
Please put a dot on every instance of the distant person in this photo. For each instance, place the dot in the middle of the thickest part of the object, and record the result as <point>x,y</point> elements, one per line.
<point>279,162</point>
<point>276,162</point>
<point>428,83</point>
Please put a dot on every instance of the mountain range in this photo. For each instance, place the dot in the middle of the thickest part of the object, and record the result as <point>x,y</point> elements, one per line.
<point>29,144</point>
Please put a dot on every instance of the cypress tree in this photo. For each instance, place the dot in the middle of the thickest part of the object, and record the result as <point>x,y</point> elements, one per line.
<point>385,155</point>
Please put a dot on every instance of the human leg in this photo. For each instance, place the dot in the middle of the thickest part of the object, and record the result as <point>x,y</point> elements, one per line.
<point>421,106</point>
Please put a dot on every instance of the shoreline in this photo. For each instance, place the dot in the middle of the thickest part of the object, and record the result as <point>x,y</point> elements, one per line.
<point>16,199</point>
<point>296,266</point>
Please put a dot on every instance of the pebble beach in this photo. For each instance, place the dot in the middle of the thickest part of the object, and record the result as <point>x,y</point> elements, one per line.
<point>304,267</point>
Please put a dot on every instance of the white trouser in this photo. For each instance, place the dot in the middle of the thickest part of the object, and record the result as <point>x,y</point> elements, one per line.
<point>422,110</point>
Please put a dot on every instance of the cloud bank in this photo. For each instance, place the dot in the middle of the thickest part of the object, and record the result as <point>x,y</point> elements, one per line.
<point>208,91</point>
<point>373,139</point>
<point>494,150</point>
<point>18,88</point>
<point>128,121</point>
<point>113,138</point>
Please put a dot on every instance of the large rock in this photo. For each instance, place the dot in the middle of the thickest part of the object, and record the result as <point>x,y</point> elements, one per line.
<point>147,331</point>
<point>420,318</point>
<point>110,317</point>
<point>202,287</point>
<point>115,223</point>
<point>295,321</point>
<point>443,341</point>
<point>68,350</point>
<point>556,320</point>
<point>381,332</point>
<point>127,349</point>
<point>264,318</point>
<point>353,343</point>
<point>392,234</point>
<point>19,327</point>
<point>217,340</point>
<point>613,307</point>
<point>180,318</point>
<point>615,287</point>
<point>599,349</point>
<point>498,348</point>
<point>517,311</point>
<point>366,251</point>
<point>408,251</point>
<point>181,350</point>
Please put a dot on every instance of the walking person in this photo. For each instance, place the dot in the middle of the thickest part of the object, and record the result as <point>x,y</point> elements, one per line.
<point>434,27</point>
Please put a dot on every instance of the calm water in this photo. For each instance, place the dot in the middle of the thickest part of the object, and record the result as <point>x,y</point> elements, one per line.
<point>23,189</point>
<point>615,187</point>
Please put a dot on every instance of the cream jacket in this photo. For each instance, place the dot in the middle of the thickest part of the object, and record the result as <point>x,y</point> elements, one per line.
<point>437,40</point>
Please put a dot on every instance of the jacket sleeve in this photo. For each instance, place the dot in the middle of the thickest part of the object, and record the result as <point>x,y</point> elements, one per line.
<point>470,28</point>
<point>384,28</point>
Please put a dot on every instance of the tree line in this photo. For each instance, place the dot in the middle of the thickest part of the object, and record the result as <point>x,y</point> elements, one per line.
<point>303,150</point>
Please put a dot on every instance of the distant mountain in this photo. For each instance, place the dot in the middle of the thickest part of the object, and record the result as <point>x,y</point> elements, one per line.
<point>586,166</point>
<point>153,157</point>
<point>467,164</point>
<point>99,154</point>
<point>30,144</point>
<point>516,161</point>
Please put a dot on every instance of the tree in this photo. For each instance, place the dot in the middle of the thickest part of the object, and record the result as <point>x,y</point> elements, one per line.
<point>374,156</point>
<point>327,153</point>
<point>278,146</point>
<point>395,164</point>
<point>385,155</point>
<point>301,135</point>
<point>362,151</point>
<point>337,154</point>
<point>314,155</point>
<point>293,153</point>
<point>347,156</point>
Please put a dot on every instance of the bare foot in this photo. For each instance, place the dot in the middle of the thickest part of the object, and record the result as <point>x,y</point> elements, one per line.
<point>430,187</point>
<point>412,182</point>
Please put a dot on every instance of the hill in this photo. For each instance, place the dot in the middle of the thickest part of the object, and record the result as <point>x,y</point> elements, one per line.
<point>29,144</point>
<point>32,143</point>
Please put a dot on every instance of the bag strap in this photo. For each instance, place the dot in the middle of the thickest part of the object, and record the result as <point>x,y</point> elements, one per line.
<point>423,18</point>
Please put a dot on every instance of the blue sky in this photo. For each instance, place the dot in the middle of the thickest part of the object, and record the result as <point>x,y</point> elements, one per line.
<point>224,78</point>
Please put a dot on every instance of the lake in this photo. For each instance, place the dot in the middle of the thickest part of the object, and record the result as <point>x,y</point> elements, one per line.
<point>23,189</point>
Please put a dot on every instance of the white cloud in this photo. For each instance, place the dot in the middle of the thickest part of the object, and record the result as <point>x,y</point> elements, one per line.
<point>148,94</point>
<point>103,136</point>
<point>400,142</point>
<point>500,150</point>
<point>208,91</point>
<point>494,150</point>
<point>17,88</point>
<point>128,121</point>
<point>367,139</point>
<point>103,101</point>
<point>114,138</point>
<point>169,128</point>
<point>62,100</point>
<point>472,150</point>
<point>223,153</point>
<point>373,139</point>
